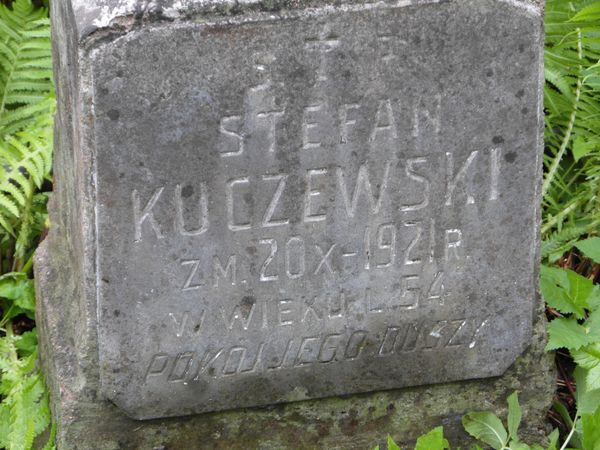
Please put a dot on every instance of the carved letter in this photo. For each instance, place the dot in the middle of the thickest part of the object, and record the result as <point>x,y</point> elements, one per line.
<point>389,123</point>
<point>307,126</point>
<point>301,258</point>
<point>309,193</point>
<point>236,135</point>
<point>494,172</point>
<point>241,313</point>
<point>263,268</point>
<point>140,216</point>
<point>180,222</point>
<point>436,289</point>
<point>283,311</point>
<point>409,169</point>
<point>228,368</point>
<point>181,367</point>
<point>267,222</point>
<point>219,271</point>
<point>230,210</point>
<point>407,257</point>
<point>363,180</point>
<point>389,245</point>
<point>410,291</point>
<point>328,348</point>
<point>272,117</point>
<point>206,362</point>
<point>452,180</point>
<point>157,365</point>
<point>305,351</point>
<point>324,259</point>
<point>181,326</point>
<point>344,122</point>
<point>355,345</point>
<point>384,45</point>
<point>435,120</point>
<point>324,44</point>
<point>187,285</point>
<point>452,246</point>
<point>388,344</point>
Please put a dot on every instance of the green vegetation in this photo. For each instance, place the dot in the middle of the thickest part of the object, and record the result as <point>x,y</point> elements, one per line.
<point>571,221</point>
<point>489,429</point>
<point>571,188</point>
<point>26,107</point>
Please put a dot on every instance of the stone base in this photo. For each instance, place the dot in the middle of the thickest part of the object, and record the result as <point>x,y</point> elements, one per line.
<point>355,422</point>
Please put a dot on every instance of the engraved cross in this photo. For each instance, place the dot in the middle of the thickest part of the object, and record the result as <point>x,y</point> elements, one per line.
<point>325,43</point>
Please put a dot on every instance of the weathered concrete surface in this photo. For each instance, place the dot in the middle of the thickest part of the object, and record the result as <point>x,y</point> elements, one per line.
<point>278,202</point>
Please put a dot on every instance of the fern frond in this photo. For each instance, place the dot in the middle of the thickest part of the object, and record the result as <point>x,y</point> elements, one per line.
<point>25,402</point>
<point>25,66</point>
<point>24,116</point>
<point>571,187</point>
<point>25,161</point>
<point>561,241</point>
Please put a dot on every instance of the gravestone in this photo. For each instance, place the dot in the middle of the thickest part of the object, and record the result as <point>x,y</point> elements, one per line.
<point>265,202</point>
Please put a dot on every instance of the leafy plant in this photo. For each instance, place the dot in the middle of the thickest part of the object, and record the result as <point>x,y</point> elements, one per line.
<point>577,329</point>
<point>26,108</point>
<point>434,440</point>
<point>489,429</point>
<point>571,201</point>
<point>571,187</point>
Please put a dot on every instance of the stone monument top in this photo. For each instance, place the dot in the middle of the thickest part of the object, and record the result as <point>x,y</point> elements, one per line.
<point>92,15</point>
<point>267,201</point>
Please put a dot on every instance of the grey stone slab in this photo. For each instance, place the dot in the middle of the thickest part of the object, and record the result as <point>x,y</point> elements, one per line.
<point>275,202</point>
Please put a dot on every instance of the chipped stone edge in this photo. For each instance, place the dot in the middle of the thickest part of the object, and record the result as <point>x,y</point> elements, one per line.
<point>122,17</point>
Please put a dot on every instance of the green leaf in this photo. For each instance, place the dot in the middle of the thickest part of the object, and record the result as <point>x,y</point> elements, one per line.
<point>514,415</point>
<point>590,12</point>
<point>561,409</point>
<point>593,378</point>
<point>519,446</point>
<point>589,359</point>
<point>50,444</point>
<point>18,288</point>
<point>582,148</point>
<point>592,325</point>
<point>594,300</point>
<point>591,248</point>
<point>486,427</point>
<point>591,430</point>
<point>553,439</point>
<point>554,285</point>
<point>566,333</point>
<point>4,424</point>
<point>580,288</point>
<point>566,290</point>
<point>27,343</point>
<point>434,440</point>
<point>587,399</point>
<point>391,444</point>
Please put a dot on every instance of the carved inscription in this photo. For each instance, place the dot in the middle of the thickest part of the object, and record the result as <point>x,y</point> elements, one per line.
<point>328,200</point>
<point>351,187</point>
<point>425,336</point>
<point>389,201</point>
<point>316,213</point>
